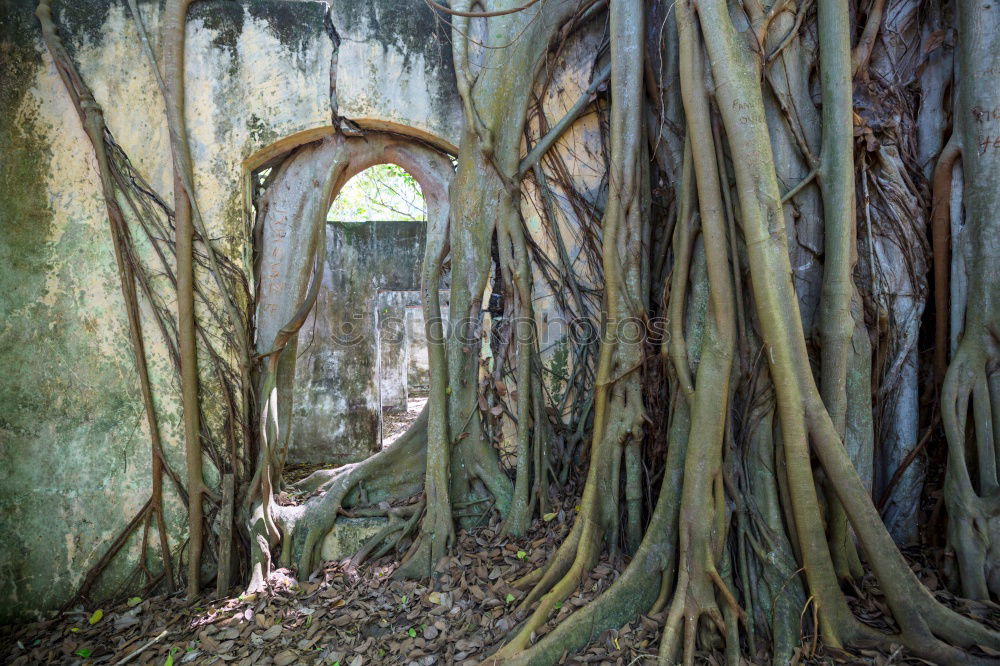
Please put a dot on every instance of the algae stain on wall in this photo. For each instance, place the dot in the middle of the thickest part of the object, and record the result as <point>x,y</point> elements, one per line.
<point>74,451</point>
<point>71,436</point>
<point>395,68</point>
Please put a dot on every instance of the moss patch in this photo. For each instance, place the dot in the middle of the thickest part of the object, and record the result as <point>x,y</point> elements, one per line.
<point>410,25</point>
<point>293,23</point>
<point>223,18</point>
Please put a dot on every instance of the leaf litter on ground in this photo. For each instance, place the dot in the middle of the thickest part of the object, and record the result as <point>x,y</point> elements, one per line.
<point>364,616</point>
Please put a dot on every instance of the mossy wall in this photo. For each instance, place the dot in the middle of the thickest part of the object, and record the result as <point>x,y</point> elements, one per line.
<point>337,400</point>
<point>74,450</point>
<point>262,76</point>
<point>395,70</point>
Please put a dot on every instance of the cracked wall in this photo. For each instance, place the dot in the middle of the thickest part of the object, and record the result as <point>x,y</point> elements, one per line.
<point>262,77</point>
<point>74,452</point>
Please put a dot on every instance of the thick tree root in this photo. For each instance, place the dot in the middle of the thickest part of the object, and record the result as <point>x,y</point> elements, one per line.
<point>634,591</point>
<point>912,605</point>
<point>643,581</point>
<point>618,405</point>
<point>972,382</point>
<point>973,512</point>
<point>394,472</point>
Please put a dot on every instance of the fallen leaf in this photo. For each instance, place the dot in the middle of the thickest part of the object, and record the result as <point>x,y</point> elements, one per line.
<point>271,633</point>
<point>285,657</point>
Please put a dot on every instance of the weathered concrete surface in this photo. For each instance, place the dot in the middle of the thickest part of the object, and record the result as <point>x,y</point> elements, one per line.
<point>348,536</point>
<point>418,375</point>
<point>337,412</point>
<point>418,371</point>
<point>395,69</point>
<point>394,350</point>
<point>74,459</point>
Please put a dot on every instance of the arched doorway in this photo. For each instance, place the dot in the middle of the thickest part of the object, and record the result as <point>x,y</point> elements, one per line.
<point>361,372</point>
<point>350,357</point>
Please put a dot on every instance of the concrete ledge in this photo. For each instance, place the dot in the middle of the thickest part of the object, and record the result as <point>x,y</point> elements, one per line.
<point>349,535</point>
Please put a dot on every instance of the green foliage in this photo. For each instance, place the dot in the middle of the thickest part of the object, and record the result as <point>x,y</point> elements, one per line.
<point>558,370</point>
<point>382,192</point>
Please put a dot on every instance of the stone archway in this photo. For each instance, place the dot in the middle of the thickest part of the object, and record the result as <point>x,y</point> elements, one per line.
<point>290,231</point>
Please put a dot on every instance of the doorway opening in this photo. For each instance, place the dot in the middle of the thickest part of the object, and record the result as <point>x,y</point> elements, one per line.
<point>362,375</point>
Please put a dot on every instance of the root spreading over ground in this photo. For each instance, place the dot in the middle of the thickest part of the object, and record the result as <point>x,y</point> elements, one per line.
<point>753,262</point>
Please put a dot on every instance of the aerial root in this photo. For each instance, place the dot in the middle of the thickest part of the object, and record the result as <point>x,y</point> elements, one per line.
<point>693,600</point>
<point>543,580</point>
<point>634,592</point>
<point>584,551</point>
<point>393,472</point>
<point>974,524</point>
<point>435,537</point>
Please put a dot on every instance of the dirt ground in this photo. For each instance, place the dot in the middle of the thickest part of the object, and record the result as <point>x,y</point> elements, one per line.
<point>395,424</point>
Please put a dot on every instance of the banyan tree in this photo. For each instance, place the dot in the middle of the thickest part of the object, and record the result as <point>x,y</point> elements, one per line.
<point>737,293</point>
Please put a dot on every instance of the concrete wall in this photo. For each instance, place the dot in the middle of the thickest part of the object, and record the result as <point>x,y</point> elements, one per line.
<point>394,69</point>
<point>418,371</point>
<point>261,76</point>
<point>337,413</point>
<point>394,350</point>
